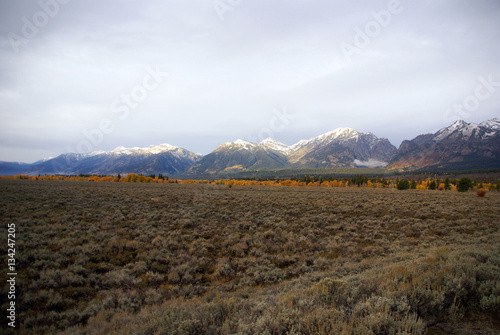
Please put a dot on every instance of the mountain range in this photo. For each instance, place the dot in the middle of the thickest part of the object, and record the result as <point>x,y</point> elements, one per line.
<point>163,158</point>
<point>461,146</point>
<point>342,147</point>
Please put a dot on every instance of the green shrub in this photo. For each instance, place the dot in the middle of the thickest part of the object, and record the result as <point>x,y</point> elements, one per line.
<point>464,185</point>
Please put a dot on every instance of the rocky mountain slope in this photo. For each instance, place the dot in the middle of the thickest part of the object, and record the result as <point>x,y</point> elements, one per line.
<point>342,147</point>
<point>461,146</point>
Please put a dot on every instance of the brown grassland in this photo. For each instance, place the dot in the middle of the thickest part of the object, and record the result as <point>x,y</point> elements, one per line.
<point>134,258</point>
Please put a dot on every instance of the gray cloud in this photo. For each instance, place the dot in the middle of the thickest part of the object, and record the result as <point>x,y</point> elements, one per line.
<point>226,77</point>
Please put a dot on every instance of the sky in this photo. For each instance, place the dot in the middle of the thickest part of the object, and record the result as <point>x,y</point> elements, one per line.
<point>80,76</point>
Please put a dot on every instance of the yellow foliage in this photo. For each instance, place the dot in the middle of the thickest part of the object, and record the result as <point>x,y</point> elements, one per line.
<point>133,178</point>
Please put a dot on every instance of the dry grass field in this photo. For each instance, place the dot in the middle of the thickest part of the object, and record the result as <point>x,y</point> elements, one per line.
<point>120,258</point>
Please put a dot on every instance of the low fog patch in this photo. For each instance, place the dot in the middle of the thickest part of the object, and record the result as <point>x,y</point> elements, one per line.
<point>371,163</point>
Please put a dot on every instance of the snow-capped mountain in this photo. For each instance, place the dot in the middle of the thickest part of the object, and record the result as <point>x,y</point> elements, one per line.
<point>464,131</point>
<point>342,147</point>
<point>459,146</point>
<point>242,155</point>
<point>272,144</point>
<point>239,144</point>
<point>267,144</point>
<point>163,158</point>
<point>153,150</point>
<point>492,125</point>
<point>339,134</point>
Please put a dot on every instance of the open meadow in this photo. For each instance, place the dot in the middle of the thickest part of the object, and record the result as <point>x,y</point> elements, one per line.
<point>134,258</point>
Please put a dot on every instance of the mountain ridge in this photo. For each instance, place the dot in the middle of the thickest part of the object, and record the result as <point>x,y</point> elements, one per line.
<point>162,158</point>
<point>461,145</point>
<point>341,147</point>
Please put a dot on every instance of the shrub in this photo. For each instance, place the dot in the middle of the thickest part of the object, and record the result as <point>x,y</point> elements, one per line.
<point>267,261</point>
<point>481,193</point>
<point>464,185</point>
<point>403,184</point>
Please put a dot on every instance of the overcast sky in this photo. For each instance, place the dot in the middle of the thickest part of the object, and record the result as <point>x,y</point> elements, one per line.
<point>81,75</point>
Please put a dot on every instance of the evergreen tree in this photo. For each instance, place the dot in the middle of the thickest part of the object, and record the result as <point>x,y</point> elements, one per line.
<point>403,184</point>
<point>447,184</point>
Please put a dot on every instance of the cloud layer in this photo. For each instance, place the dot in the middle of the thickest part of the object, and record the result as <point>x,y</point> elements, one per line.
<point>65,66</point>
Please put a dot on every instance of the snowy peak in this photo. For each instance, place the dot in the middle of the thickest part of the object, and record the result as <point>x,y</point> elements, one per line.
<point>119,149</point>
<point>41,160</point>
<point>238,144</point>
<point>447,131</point>
<point>123,151</point>
<point>459,124</point>
<point>272,144</point>
<point>156,149</point>
<point>466,130</point>
<point>493,124</point>
<point>267,144</point>
<point>153,149</point>
<point>244,144</point>
<point>339,134</point>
